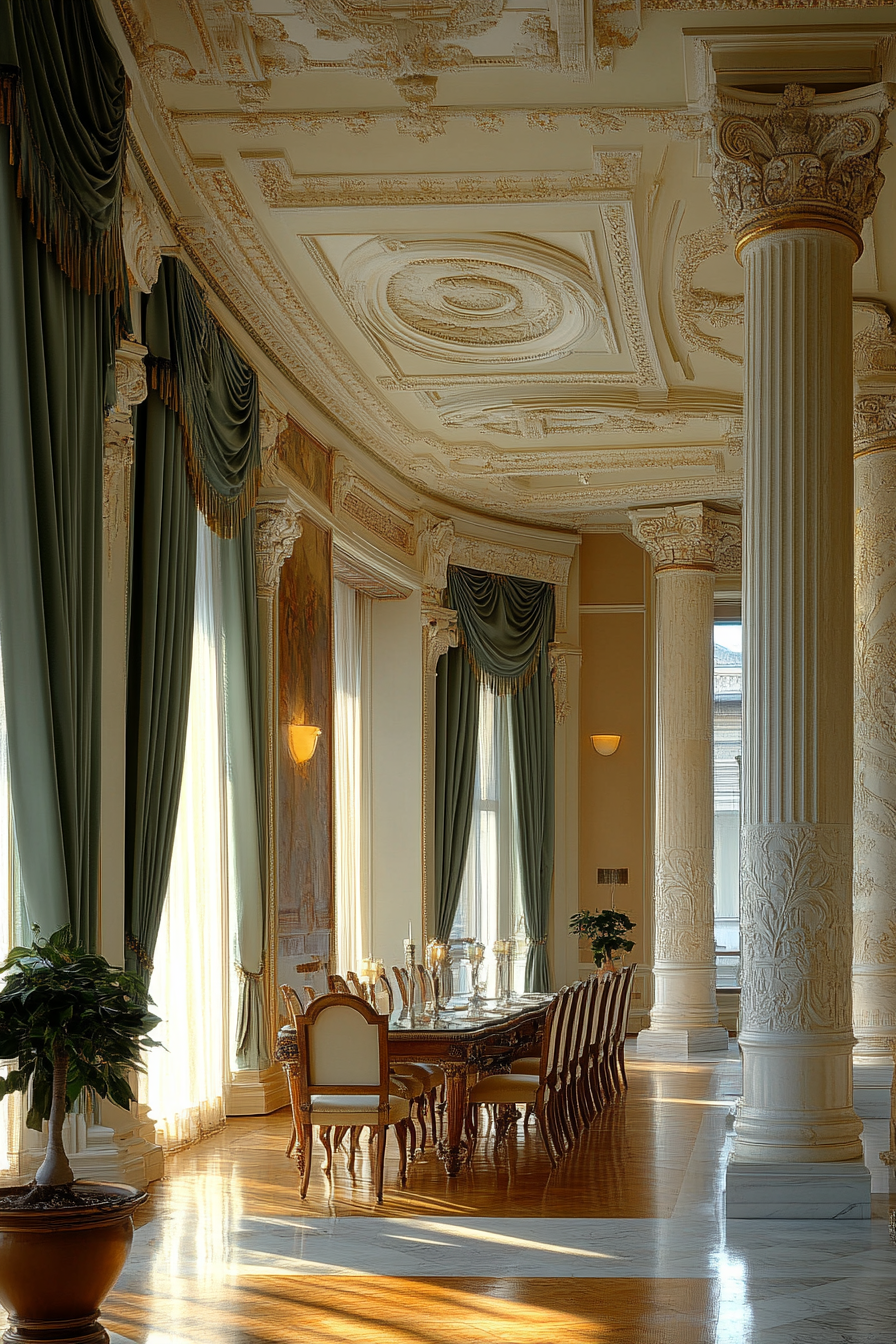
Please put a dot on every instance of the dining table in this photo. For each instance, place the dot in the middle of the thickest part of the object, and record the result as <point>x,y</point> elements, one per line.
<point>466,1046</point>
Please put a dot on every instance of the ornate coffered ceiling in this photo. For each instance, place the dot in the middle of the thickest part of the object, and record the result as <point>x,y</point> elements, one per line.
<point>478,234</point>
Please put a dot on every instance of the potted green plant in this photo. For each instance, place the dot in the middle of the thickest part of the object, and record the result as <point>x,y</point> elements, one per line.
<point>605,930</point>
<point>70,1021</point>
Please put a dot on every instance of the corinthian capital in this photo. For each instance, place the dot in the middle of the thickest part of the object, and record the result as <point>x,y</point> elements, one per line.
<point>439,634</point>
<point>797,161</point>
<point>277,529</point>
<point>686,536</point>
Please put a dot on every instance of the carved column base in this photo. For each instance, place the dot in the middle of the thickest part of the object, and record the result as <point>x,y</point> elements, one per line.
<point>797,1190</point>
<point>675,1043</point>
<point>256,1091</point>
<point>797,1099</point>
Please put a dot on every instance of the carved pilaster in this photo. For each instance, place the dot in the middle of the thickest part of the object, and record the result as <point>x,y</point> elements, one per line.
<point>277,529</point>
<point>435,540</point>
<point>802,162</point>
<point>118,438</point>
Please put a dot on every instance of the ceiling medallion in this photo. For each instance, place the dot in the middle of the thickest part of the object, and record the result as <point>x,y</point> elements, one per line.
<point>475,299</point>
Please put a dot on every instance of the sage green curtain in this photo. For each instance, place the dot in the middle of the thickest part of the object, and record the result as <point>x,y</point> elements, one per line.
<point>199,373</point>
<point>62,96</point>
<point>456,736</point>
<point>244,735</point>
<point>505,626</point>
<point>160,647</point>
<point>532,753</point>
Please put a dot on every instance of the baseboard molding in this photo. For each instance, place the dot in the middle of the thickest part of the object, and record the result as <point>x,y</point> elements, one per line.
<point>256,1091</point>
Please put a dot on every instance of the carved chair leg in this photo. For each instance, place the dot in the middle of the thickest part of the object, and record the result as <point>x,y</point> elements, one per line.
<point>308,1140</point>
<point>421,1116</point>
<point>324,1133</point>
<point>545,1136</point>
<point>292,1140</point>
<point>353,1137</point>
<point>401,1134</point>
<point>432,1116</point>
<point>380,1160</point>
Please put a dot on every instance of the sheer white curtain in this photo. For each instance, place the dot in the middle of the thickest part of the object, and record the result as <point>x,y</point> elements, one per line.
<point>351,639</point>
<point>191,980</point>
<point>490,904</point>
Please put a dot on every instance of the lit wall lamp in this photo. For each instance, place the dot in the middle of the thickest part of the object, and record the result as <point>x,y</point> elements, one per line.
<point>302,742</point>
<point>605,743</point>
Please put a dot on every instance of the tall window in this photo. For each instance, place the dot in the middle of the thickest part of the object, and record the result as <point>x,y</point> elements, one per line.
<point>351,631</point>
<point>490,904</point>
<point>191,982</point>
<point>727,746</point>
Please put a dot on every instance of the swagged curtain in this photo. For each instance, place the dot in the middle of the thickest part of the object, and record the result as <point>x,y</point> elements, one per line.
<point>197,443</point>
<point>505,626</point>
<point>63,295</point>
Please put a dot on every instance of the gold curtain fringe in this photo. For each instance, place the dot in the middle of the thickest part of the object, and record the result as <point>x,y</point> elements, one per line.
<point>139,952</point>
<point>93,262</point>
<point>224,514</point>
<point>499,685</point>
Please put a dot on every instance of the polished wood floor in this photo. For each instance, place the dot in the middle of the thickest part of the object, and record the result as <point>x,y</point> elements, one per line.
<point>226,1252</point>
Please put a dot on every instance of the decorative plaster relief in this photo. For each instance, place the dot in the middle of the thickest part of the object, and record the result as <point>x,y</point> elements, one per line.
<point>559,655</point>
<point>439,634</point>
<point>614,171</point>
<point>118,439</point>
<point>541,419</point>
<point>491,462</point>
<point>273,422</point>
<point>683,928</point>
<point>694,305</point>
<point>435,539</point>
<point>473,299</point>
<point>143,234</point>
<point>277,529</point>
<point>796,929</point>
<point>371,508</point>
<point>795,158</point>
<point>495,558</point>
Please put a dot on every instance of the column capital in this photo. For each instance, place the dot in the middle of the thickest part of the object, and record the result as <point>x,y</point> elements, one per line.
<point>686,536</point>
<point>439,634</point>
<point>799,162</point>
<point>130,375</point>
<point>277,529</point>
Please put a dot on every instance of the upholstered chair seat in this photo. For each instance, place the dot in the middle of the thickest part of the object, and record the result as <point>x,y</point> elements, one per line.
<point>529,1064</point>
<point>357,1110</point>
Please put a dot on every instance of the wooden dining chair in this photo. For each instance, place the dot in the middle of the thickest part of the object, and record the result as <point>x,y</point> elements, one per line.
<point>431,1077</point>
<point>506,1091</point>
<point>343,1078</point>
<point>294,1010</point>
<point>310,993</point>
<point>337,984</point>
<point>625,1003</point>
<point>608,1068</point>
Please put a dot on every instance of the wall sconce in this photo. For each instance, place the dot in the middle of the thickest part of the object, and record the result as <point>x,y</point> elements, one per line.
<point>605,743</point>
<point>302,742</point>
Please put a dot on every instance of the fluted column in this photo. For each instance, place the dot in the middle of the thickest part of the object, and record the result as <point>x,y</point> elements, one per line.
<point>683,542</point>
<point>794,181</point>
<point>874,808</point>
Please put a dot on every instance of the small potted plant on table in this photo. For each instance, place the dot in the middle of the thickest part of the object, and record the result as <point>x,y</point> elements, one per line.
<point>71,1021</point>
<point>605,930</point>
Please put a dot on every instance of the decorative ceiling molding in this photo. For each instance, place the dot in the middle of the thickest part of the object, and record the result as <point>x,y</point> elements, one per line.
<point>693,304</point>
<point>351,571</point>
<point>495,558</point>
<point>614,171</point>
<point>473,299</point>
<point>625,263</point>
<point>588,462</point>
<point>541,419</point>
<point>144,231</point>
<point>679,123</point>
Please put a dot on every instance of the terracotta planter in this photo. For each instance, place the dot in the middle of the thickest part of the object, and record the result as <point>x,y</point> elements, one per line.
<point>56,1266</point>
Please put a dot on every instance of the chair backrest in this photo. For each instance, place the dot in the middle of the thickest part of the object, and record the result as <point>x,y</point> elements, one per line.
<point>344,1049</point>
<point>356,987</point>
<point>600,1021</point>
<point>337,984</point>
<point>548,1038</point>
<point>384,986</point>
<point>423,981</point>
<point>401,979</point>
<point>589,995</point>
<point>615,993</point>
<point>310,993</point>
<point>625,1002</point>
<point>556,1037</point>
<point>293,1003</point>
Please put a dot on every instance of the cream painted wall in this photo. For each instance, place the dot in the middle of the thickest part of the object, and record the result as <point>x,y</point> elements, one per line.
<point>396,740</point>
<point>614,697</point>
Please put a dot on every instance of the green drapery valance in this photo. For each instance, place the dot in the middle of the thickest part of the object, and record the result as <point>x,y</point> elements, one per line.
<point>64,94</point>
<point>199,373</point>
<point>505,624</point>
